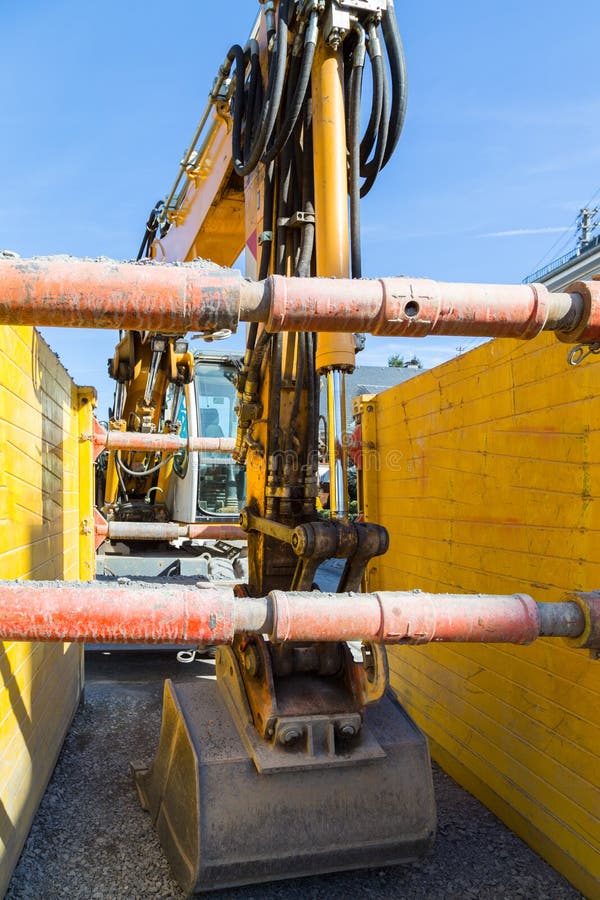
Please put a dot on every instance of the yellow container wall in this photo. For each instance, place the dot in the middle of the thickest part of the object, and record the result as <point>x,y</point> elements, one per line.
<point>43,500</point>
<point>487,475</point>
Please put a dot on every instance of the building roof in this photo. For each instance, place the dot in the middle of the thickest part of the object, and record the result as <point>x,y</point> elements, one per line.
<point>369,380</point>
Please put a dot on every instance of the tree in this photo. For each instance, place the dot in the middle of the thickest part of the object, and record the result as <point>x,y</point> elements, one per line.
<point>398,362</point>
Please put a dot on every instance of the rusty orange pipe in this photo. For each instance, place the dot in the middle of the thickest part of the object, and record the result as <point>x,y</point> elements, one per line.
<point>414,307</point>
<point>167,613</point>
<point>168,531</point>
<point>415,617</point>
<point>159,443</point>
<point>91,611</point>
<point>107,294</point>
<point>176,299</point>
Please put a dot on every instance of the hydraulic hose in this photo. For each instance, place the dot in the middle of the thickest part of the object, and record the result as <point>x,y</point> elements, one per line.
<point>267,234</point>
<point>358,63</point>
<point>304,262</point>
<point>368,141</point>
<point>300,368</point>
<point>242,163</point>
<point>300,89</point>
<point>253,96</point>
<point>395,50</point>
<point>370,170</point>
<point>152,226</point>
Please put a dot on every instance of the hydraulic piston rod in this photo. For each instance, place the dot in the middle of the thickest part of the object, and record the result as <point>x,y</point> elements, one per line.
<point>176,299</point>
<point>91,611</point>
<point>335,352</point>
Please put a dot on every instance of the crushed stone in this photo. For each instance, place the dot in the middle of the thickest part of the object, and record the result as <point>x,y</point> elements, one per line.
<point>91,838</point>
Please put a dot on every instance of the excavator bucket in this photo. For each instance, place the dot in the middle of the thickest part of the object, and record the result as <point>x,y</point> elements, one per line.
<point>222,822</point>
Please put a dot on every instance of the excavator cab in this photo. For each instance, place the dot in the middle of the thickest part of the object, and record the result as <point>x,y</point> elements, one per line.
<point>209,486</point>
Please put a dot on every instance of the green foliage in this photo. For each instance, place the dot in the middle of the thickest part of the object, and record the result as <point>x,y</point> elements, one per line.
<point>398,362</point>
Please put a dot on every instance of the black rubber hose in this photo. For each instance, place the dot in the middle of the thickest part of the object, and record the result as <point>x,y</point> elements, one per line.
<point>283,211</point>
<point>270,107</point>
<point>274,438</point>
<point>372,168</point>
<point>301,87</point>
<point>267,233</point>
<point>307,246</point>
<point>370,135</point>
<point>257,356</point>
<point>358,62</point>
<point>300,368</point>
<point>395,50</point>
<point>150,233</point>
<point>304,263</point>
<point>252,96</point>
<point>236,57</point>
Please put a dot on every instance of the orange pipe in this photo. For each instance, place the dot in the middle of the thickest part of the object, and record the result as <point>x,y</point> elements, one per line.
<point>175,613</point>
<point>158,443</point>
<point>168,531</point>
<point>175,299</point>
<point>106,294</point>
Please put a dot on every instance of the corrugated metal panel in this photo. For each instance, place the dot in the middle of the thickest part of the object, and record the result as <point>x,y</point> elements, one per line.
<point>41,417</point>
<point>487,474</point>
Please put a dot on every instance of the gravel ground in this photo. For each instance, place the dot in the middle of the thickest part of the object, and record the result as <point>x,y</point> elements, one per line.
<point>91,839</point>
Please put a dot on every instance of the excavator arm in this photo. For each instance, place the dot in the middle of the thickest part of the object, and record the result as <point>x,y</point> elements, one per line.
<point>277,165</point>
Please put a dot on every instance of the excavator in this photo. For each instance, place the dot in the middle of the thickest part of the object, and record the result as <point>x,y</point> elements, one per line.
<point>277,166</point>
<point>296,760</point>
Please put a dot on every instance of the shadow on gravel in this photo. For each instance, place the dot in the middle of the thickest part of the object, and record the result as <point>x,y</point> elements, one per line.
<point>92,841</point>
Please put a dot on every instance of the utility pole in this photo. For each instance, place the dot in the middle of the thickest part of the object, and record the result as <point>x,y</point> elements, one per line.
<point>586,223</point>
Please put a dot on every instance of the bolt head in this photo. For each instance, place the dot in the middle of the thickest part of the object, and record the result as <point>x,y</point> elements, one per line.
<point>289,736</point>
<point>347,730</point>
<point>251,661</point>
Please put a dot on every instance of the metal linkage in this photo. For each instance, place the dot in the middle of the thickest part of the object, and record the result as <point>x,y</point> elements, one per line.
<point>174,299</point>
<point>165,613</point>
<point>314,542</point>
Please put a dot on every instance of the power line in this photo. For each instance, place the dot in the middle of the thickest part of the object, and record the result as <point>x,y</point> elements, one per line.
<point>563,238</point>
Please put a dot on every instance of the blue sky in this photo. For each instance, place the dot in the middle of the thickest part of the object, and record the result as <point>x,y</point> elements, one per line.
<point>501,145</point>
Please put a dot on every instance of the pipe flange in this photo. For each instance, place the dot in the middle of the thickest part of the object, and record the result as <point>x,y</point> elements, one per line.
<point>589,603</point>
<point>588,329</point>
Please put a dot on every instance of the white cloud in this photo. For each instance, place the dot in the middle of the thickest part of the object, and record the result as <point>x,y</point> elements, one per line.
<point>518,232</point>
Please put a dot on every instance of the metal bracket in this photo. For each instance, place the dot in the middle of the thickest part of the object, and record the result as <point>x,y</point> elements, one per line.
<point>336,24</point>
<point>296,220</point>
<point>294,742</point>
<point>373,6</point>
<point>339,14</point>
